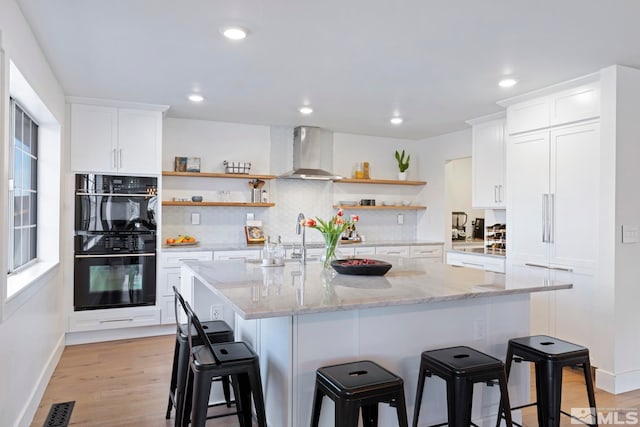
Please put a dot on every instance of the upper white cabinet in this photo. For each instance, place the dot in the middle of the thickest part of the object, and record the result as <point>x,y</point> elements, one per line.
<point>567,106</point>
<point>108,138</point>
<point>488,188</point>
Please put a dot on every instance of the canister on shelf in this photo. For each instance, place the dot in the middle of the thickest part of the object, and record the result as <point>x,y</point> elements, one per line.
<point>365,170</point>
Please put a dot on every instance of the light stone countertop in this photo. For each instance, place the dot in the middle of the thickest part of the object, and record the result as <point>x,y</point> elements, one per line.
<point>256,292</point>
<point>203,246</point>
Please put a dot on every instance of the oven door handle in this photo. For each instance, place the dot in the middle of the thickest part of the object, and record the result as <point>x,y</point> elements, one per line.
<point>115,255</point>
<point>80,193</point>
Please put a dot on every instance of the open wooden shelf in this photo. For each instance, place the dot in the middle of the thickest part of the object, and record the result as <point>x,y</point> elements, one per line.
<point>240,204</point>
<point>217,175</point>
<point>410,207</point>
<point>378,181</point>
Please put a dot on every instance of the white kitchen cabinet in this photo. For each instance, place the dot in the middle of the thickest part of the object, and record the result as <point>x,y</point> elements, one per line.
<point>401,251</point>
<point>477,261</point>
<point>552,220</point>
<point>488,164</point>
<point>568,106</point>
<point>113,318</point>
<point>431,253</point>
<point>169,276</point>
<point>109,139</point>
<point>244,254</point>
<point>363,251</point>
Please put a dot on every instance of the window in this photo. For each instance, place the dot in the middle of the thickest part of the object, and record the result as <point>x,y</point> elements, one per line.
<point>23,187</point>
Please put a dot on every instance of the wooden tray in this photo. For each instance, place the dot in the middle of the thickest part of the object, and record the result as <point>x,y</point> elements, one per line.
<point>183,243</point>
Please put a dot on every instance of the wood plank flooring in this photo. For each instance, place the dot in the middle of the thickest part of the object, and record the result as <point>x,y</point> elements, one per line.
<point>125,383</point>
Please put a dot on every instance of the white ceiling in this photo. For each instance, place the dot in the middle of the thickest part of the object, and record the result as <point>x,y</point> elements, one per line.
<point>356,62</point>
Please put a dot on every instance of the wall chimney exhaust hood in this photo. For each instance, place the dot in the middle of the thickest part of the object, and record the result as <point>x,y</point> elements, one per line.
<point>312,154</point>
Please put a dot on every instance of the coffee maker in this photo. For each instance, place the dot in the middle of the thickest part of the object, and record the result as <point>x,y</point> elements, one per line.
<point>458,222</point>
<point>478,228</point>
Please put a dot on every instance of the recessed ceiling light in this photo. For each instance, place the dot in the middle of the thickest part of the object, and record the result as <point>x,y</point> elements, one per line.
<point>196,97</point>
<point>507,82</point>
<point>306,110</point>
<point>396,120</point>
<point>234,33</point>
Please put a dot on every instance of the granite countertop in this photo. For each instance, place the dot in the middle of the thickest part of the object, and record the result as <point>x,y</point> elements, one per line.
<point>204,246</point>
<point>293,289</point>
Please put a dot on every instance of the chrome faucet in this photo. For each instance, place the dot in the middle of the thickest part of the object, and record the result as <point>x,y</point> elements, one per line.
<point>300,229</point>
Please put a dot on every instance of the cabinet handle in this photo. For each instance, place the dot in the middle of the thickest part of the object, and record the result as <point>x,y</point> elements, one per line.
<point>569,269</point>
<point>551,217</point>
<point>544,218</point>
<point>187,259</point>
<point>500,193</point>
<point>495,194</point>
<point>471,263</point>
<point>113,159</point>
<point>128,319</point>
<point>120,158</point>
<point>546,267</point>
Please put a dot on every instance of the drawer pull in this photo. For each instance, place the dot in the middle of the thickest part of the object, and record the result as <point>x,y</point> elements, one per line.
<point>128,319</point>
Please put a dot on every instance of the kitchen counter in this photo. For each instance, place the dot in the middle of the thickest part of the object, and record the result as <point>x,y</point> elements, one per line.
<point>256,292</point>
<point>207,246</point>
<point>301,317</point>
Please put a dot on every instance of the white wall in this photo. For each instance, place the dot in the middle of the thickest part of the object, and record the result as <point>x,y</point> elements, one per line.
<point>435,223</point>
<point>269,149</point>
<point>32,336</point>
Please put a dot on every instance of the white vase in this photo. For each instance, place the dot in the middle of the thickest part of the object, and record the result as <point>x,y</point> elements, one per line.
<point>402,176</point>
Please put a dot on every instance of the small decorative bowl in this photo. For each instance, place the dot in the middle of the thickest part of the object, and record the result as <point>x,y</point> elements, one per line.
<point>196,198</point>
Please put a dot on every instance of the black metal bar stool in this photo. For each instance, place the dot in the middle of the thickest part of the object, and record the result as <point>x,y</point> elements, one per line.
<point>217,331</point>
<point>550,355</point>
<point>358,385</point>
<point>461,367</point>
<point>208,361</point>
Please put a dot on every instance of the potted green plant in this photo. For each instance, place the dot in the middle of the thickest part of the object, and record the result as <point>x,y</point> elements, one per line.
<point>403,165</point>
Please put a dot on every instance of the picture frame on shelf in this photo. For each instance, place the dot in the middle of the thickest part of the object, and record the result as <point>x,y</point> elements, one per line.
<point>180,164</point>
<point>254,234</point>
<point>193,164</point>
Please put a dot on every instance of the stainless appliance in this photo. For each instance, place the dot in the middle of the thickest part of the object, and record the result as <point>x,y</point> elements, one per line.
<point>115,241</point>
<point>458,222</point>
<point>478,228</point>
<point>312,154</point>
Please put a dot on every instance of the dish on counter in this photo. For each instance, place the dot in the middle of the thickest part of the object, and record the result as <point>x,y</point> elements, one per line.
<point>194,242</point>
<point>361,267</point>
<point>388,203</point>
<point>181,240</point>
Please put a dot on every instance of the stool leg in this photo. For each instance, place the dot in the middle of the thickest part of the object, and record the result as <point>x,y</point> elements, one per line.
<point>226,390</point>
<point>459,401</point>
<point>188,399</point>
<point>507,369</point>
<point>549,393</point>
<point>200,399</point>
<point>244,399</point>
<point>370,415</point>
<point>401,409</point>
<point>346,413</point>
<point>258,398</point>
<point>504,400</point>
<point>181,379</point>
<point>172,386</point>
<point>422,373</point>
<point>317,406</point>
<point>588,379</point>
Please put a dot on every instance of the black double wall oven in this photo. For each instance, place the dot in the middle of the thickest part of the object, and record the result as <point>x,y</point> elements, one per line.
<point>115,241</point>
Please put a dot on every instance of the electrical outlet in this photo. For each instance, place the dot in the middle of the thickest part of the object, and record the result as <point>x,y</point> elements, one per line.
<point>400,219</point>
<point>195,218</point>
<point>216,312</point>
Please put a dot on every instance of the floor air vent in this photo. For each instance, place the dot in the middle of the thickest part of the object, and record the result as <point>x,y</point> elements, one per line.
<point>59,414</point>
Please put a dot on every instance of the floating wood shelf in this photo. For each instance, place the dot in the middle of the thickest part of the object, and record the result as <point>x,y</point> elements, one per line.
<point>217,175</point>
<point>410,207</point>
<point>378,181</point>
<point>240,204</point>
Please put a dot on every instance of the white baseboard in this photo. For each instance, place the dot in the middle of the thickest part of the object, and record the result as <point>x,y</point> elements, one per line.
<point>31,406</point>
<point>74,338</point>
<point>617,383</point>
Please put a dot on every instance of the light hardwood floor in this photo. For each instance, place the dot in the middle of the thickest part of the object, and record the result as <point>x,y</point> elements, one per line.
<point>126,383</point>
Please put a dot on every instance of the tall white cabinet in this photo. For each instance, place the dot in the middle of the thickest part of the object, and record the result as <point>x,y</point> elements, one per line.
<point>110,137</point>
<point>488,162</point>
<point>552,199</point>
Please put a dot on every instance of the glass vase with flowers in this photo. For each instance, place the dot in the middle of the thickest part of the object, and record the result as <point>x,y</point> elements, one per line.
<point>331,231</point>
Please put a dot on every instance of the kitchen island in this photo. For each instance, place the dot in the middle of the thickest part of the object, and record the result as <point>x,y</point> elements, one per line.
<point>299,317</point>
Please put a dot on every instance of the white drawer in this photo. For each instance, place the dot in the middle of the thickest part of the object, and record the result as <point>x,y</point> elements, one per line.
<point>426,251</point>
<point>403,251</point>
<point>240,254</point>
<point>367,250</point>
<point>481,262</point>
<point>114,318</point>
<point>173,259</point>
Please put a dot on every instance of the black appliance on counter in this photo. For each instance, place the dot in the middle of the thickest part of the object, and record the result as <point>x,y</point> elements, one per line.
<point>115,241</point>
<point>478,228</point>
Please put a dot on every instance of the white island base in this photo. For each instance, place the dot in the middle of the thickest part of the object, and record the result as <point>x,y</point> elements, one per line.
<point>292,348</point>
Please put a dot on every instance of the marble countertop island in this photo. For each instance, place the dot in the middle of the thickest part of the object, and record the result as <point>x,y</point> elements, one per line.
<point>257,292</point>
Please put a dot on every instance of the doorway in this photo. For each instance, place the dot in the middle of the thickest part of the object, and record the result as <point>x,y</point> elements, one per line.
<point>459,226</point>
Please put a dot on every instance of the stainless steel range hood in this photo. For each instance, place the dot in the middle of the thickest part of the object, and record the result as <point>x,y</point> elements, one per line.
<point>312,154</point>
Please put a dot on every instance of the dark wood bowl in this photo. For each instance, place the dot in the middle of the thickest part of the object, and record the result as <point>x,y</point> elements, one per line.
<point>361,267</point>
